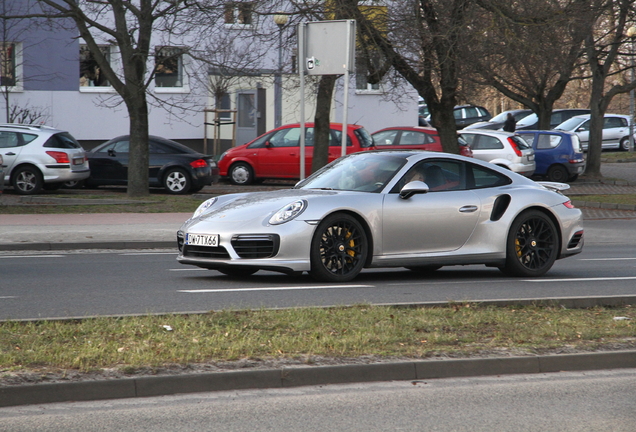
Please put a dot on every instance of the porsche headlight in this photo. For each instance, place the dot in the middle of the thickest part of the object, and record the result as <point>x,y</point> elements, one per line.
<point>204,206</point>
<point>289,212</point>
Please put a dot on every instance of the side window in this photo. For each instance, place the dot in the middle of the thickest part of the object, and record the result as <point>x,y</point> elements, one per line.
<point>9,139</point>
<point>470,140</point>
<point>62,140</point>
<point>585,126</point>
<point>482,177</point>
<point>547,141</point>
<point>439,175</point>
<point>154,148</point>
<point>529,138</point>
<point>385,138</point>
<point>471,112</point>
<point>458,113</point>
<point>413,138</point>
<point>309,137</point>
<point>489,143</point>
<point>286,138</point>
<point>336,139</point>
<point>259,142</point>
<point>614,122</point>
<point>118,147</point>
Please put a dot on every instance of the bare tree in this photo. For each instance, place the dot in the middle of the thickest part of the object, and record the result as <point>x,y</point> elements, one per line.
<point>130,25</point>
<point>602,50</point>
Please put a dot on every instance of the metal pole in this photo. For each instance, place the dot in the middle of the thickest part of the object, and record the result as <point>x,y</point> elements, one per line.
<point>631,106</point>
<point>301,74</point>
<point>278,105</point>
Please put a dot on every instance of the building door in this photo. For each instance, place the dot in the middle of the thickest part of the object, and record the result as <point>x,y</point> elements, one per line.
<point>247,116</point>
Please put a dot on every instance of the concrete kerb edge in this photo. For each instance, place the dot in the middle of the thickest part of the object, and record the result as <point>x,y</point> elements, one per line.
<point>50,246</point>
<point>306,376</point>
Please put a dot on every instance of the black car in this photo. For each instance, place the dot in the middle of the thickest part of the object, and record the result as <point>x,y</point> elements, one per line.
<point>468,114</point>
<point>497,122</point>
<point>531,122</point>
<point>173,166</point>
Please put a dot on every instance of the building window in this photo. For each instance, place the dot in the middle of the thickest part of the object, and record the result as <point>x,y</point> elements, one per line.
<point>168,66</point>
<point>225,106</point>
<point>8,64</point>
<point>370,69</point>
<point>90,73</point>
<point>238,13</point>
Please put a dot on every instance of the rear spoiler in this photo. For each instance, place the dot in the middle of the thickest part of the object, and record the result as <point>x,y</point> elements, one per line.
<point>557,187</point>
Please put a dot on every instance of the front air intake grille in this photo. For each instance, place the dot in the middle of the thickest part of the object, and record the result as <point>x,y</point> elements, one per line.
<point>205,252</point>
<point>575,240</point>
<point>256,245</point>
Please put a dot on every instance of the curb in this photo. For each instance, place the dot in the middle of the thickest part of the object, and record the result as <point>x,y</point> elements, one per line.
<point>310,376</point>
<point>47,246</point>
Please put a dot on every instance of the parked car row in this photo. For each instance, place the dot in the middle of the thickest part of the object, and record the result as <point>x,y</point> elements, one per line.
<point>35,158</point>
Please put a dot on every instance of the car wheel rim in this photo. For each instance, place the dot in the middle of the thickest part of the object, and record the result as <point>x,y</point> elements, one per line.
<point>240,174</point>
<point>176,181</point>
<point>26,181</point>
<point>341,248</point>
<point>535,243</point>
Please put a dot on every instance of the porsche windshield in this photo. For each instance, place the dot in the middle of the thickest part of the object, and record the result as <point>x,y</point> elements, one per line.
<point>366,171</point>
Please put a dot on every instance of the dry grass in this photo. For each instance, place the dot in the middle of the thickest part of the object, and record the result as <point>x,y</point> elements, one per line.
<point>132,343</point>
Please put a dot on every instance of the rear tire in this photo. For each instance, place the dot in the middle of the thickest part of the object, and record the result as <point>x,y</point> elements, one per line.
<point>624,145</point>
<point>177,181</point>
<point>558,173</point>
<point>532,245</point>
<point>27,181</point>
<point>338,249</point>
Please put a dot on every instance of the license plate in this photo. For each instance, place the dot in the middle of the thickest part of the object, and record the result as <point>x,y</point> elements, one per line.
<point>78,161</point>
<point>202,239</point>
<point>531,158</point>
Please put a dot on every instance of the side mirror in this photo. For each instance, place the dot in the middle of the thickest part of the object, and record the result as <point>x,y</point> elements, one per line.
<point>111,153</point>
<point>412,188</point>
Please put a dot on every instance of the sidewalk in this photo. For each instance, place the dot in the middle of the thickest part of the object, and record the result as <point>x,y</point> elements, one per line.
<point>158,230</point>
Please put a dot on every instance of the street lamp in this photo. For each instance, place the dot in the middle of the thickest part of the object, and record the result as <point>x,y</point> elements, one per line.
<point>631,33</point>
<point>280,19</point>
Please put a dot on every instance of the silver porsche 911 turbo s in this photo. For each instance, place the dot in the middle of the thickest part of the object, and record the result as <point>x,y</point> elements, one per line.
<point>415,209</point>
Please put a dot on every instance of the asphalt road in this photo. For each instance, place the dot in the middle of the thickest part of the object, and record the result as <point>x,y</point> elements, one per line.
<point>575,401</point>
<point>89,283</point>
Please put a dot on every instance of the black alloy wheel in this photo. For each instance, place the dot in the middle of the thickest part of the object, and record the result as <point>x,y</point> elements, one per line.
<point>532,245</point>
<point>339,249</point>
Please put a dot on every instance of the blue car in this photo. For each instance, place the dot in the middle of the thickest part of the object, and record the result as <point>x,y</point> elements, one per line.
<point>558,154</point>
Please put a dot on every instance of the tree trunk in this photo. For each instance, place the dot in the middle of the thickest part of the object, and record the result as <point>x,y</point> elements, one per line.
<point>322,128</point>
<point>138,157</point>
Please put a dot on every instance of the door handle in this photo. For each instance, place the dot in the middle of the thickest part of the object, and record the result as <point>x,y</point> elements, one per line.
<point>468,209</point>
<point>10,154</point>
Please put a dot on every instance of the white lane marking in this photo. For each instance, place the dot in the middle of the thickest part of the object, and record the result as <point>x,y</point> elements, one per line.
<point>606,259</point>
<point>189,269</point>
<point>582,279</point>
<point>273,289</point>
<point>32,256</point>
<point>8,297</point>
<point>148,253</point>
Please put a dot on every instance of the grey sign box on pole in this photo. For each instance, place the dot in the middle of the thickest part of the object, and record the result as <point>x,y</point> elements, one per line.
<point>329,47</point>
<point>325,48</point>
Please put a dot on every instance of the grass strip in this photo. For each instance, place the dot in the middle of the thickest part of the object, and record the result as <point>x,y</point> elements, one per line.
<point>457,330</point>
<point>629,199</point>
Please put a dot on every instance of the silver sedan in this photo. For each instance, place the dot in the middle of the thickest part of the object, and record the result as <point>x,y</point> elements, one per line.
<point>414,209</point>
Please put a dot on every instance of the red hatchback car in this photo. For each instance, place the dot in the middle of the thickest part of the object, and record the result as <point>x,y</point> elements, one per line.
<point>276,154</point>
<point>414,138</point>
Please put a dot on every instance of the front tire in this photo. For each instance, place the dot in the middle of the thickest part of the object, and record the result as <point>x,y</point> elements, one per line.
<point>339,249</point>
<point>27,181</point>
<point>532,245</point>
<point>241,174</point>
<point>177,181</point>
